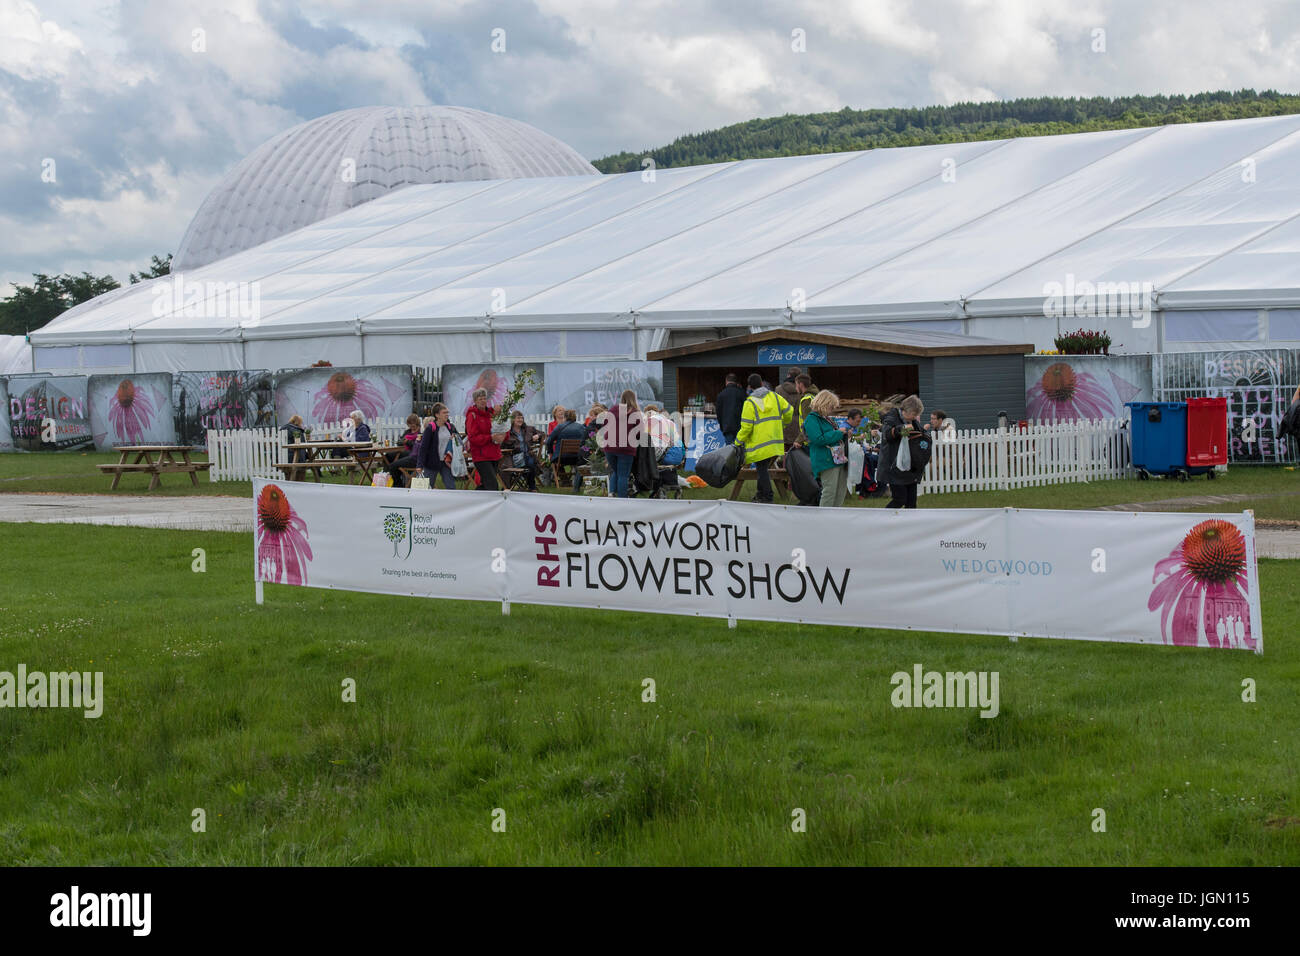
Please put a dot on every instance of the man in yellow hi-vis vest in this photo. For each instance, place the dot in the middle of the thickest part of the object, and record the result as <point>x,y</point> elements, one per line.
<point>762,432</point>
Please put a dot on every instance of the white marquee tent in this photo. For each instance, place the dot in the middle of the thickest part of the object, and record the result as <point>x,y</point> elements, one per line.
<point>15,355</point>
<point>959,237</point>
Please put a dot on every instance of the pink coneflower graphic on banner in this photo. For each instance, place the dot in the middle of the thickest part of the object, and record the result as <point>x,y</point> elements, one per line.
<point>1063,394</point>
<point>1201,589</point>
<point>342,395</point>
<point>282,548</point>
<point>130,411</point>
<point>496,386</point>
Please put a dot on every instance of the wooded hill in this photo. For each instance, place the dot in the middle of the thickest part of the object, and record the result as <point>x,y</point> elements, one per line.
<point>849,129</point>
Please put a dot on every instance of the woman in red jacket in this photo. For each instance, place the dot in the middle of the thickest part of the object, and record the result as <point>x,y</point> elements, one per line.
<point>483,446</point>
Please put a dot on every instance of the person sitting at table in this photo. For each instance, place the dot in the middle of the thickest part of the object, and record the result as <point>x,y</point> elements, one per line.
<point>435,452</point>
<point>348,433</point>
<point>397,460</point>
<point>295,434</point>
<point>518,446</point>
<point>361,431</point>
<point>571,430</point>
<point>557,419</point>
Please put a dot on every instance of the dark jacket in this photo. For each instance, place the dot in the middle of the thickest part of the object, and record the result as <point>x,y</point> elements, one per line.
<point>363,433</point>
<point>891,425</point>
<point>802,410</point>
<point>728,405</point>
<point>1290,424</point>
<point>790,393</point>
<point>478,431</point>
<point>567,432</point>
<point>510,444</point>
<point>426,456</point>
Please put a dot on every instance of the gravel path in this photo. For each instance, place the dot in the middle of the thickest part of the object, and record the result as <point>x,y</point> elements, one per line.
<point>199,513</point>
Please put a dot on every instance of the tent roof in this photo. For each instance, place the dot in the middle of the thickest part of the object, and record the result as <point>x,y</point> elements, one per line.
<point>884,337</point>
<point>1208,213</point>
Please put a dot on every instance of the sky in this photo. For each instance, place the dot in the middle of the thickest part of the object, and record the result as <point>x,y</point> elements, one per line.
<point>117,117</point>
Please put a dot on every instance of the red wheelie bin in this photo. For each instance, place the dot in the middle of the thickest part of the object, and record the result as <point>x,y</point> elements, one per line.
<point>1207,433</point>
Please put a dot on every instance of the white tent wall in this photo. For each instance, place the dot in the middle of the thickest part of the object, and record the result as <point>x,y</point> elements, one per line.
<point>304,352</point>
<point>422,351</point>
<point>188,356</point>
<point>82,359</point>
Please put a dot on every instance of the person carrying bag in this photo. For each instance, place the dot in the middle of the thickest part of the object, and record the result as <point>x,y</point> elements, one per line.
<point>828,445</point>
<point>903,444</point>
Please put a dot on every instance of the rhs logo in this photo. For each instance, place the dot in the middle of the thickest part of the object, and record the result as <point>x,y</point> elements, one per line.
<point>397,529</point>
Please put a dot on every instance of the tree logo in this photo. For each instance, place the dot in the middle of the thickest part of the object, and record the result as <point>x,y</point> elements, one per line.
<point>397,529</point>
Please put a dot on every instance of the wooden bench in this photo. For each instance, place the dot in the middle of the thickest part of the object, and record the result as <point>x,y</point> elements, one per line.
<point>291,469</point>
<point>780,480</point>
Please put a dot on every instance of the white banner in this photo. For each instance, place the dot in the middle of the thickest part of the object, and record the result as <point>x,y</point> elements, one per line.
<point>1148,578</point>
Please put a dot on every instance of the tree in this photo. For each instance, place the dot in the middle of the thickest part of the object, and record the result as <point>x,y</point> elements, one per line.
<point>159,267</point>
<point>32,306</point>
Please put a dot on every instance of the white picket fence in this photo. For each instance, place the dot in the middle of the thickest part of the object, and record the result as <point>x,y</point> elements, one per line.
<point>976,460</point>
<point>1041,454</point>
<point>242,454</point>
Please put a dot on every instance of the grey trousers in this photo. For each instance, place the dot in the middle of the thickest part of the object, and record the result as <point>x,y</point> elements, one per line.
<point>835,486</point>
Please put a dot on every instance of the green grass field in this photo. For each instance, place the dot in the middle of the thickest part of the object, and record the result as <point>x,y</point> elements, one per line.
<point>213,702</point>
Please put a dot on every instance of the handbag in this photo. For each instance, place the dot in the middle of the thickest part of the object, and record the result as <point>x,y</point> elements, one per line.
<point>838,454</point>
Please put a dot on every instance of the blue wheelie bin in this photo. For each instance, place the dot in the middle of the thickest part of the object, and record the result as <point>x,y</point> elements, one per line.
<point>1159,432</point>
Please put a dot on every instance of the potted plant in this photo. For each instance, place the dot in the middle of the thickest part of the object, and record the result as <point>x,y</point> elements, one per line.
<point>595,456</point>
<point>1083,342</point>
<point>518,390</point>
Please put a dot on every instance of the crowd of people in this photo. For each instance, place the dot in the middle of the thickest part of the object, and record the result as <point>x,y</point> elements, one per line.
<point>771,422</point>
<point>642,447</point>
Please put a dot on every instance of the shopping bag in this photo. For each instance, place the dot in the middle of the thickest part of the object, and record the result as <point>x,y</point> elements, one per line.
<point>857,464</point>
<point>420,483</point>
<point>381,479</point>
<point>903,460</point>
<point>458,467</point>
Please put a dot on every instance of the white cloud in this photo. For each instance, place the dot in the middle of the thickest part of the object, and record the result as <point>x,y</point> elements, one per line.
<point>142,126</point>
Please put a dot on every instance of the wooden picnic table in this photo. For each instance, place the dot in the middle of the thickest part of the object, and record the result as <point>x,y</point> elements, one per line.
<point>370,457</point>
<point>315,457</point>
<point>780,480</point>
<point>164,462</point>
